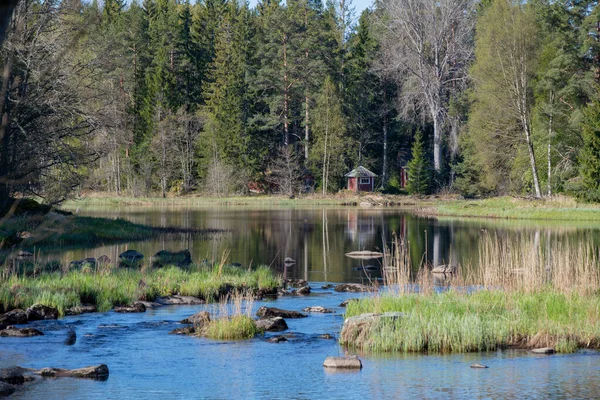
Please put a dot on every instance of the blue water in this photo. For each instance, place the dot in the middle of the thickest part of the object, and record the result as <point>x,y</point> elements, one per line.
<point>146,362</point>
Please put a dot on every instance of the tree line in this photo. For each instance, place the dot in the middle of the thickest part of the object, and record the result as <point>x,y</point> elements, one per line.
<point>217,97</point>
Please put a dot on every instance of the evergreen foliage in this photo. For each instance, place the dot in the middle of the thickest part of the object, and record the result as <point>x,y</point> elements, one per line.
<point>419,170</point>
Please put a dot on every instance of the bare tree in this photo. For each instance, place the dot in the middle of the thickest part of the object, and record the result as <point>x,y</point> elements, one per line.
<point>430,43</point>
<point>285,171</point>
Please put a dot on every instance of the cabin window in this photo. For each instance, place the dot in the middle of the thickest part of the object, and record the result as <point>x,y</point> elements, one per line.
<point>365,181</point>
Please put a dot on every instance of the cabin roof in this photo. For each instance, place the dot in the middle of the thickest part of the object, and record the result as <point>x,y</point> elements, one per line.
<point>360,172</point>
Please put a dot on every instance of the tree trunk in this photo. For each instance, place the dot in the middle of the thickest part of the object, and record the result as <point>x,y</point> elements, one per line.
<point>325,159</point>
<point>536,182</point>
<point>286,133</point>
<point>437,141</point>
<point>384,176</point>
<point>306,130</point>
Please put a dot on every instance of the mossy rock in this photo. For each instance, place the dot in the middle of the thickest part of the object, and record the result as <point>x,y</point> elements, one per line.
<point>130,259</point>
<point>164,257</point>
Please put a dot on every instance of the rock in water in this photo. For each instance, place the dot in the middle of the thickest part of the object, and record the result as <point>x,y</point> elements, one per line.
<point>137,307</point>
<point>199,319</point>
<point>84,308</point>
<point>99,372</point>
<point>345,302</point>
<point>14,317</point>
<point>11,331</point>
<point>354,287</point>
<point>270,312</point>
<point>179,300</point>
<point>187,330</point>
<point>164,257</point>
<point>13,375</point>
<point>478,366</point>
<point>350,362</point>
<point>71,338</point>
<point>130,258</point>
<point>277,339</point>
<point>38,312</point>
<point>276,324</point>
<point>6,389</point>
<point>318,309</point>
<point>544,350</point>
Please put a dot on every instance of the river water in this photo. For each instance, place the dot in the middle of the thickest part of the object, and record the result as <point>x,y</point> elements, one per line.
<point>147,363</point>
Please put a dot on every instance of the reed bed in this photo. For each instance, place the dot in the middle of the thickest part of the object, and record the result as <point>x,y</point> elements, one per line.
<point>521,294</point>
<point>109,287</point>
<point>234,318</point>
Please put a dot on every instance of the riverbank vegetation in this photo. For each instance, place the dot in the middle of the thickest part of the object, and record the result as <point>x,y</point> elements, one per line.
<point>205,98</point>
<point>520,295</point>
<point>234,318</point>
<point>108,287</point>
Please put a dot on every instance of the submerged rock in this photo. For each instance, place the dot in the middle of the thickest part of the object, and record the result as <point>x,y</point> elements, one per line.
<point>199,319</point>
<point>326,336</point>
<point>349,362</point>
<point>276,324</point>
<point>354,287</point>
<point>99,372</point>
<point>12,331</point>
<point>178,300</point>
<point>543,350</point>
<point>164,257</point>
<point>84,308</point>
<point>14,317</point>
<point>318,309</point>
<point>186,330</point>
<point>270,312</point>
<point>6,389</point>
<point>277,339</point>
<point>478,366</point>
<point>303,291</point>
<point>39,312</point>
<point>137,307</point>
<point>327,286</point>
<point>71,338</point>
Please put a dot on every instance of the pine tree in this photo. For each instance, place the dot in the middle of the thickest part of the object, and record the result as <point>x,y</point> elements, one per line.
<point>419,171</point>
<point>589,157</point>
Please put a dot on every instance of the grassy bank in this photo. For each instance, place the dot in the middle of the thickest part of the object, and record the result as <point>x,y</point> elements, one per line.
<point>54,229</point>
<point>558,208</point>
<point>113,287</point>
<point>483,320</point>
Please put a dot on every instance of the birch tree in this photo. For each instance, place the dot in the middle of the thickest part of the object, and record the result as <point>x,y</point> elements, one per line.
<point>430,42</point>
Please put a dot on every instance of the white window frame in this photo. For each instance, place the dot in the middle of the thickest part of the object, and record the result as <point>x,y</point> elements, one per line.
<point>365,181</point>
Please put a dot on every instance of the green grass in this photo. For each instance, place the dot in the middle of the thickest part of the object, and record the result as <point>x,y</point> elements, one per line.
<point>480,321</point>
<point>560,208</point>
<point>232,328</point>
<point>109,288</point>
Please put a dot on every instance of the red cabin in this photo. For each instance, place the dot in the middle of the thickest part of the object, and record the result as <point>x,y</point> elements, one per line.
<point>361,180</point>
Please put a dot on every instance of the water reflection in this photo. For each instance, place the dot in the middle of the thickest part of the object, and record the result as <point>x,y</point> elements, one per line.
<point>318,238</point>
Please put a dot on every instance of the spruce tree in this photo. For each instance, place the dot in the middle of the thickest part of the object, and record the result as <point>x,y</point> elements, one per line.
<point>419,171</point>
<point>589,157</point>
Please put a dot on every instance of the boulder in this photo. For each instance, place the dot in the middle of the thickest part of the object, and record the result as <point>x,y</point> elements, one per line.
<point>276,324</point>
<point>199,319</point>
<point>186,330</point>
<point>318,309</point>
<point>137,307</point>
<point>345,302</point>
<point>13,375</point>
<point>327,286</point>
<point>270,312</point>
<point>85,263</point>
<point>150,304</point>
<point>178,300</point>
<point>303,291</point>
<point>39,312</point>
<point>14,317</point>
<point>12,331</point>
<point>163,258</point>
<point>358,328</point>
<point>6,389</point>
<point>277,339</point>
<point>104,259</point>
<point>71,338</point>
<point>296,283</point>
<point>478,366</point>
<point>543,350</point>
<point>354,287</point>
<point>99,372</point>
<point>84,308</point>
<point>349,362</point>
<point>130,258</point>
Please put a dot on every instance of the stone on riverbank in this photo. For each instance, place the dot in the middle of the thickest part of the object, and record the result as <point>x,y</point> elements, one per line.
<point>85,263</point>
<point>276,324</point>
<point>98,372</point>
<point>178,300</point>
<point>199,319</point>
<point>137,307</point>
<point>14,317</point>
<point>130,259</point>
<point>318,309</point>
<point>163,258</point>
<point>354,287</point>
<point>84,308</point>
<point>12,331</point>
<point>40,312</point>
<point>296,283</point>
<point>543,350</point>
<point>349,362</point>
<point>270,312</point>
<point>6,389</point>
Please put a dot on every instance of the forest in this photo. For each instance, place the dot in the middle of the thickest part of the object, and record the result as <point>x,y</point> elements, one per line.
<point>217,97</point>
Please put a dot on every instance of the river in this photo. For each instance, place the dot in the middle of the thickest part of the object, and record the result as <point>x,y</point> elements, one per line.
<point>147,363</point>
